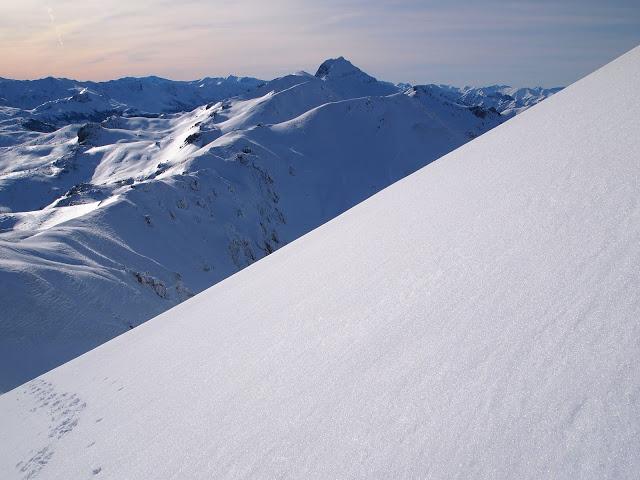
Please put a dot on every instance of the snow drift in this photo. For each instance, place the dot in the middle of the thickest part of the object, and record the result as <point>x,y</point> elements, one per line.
<point>478,319</point>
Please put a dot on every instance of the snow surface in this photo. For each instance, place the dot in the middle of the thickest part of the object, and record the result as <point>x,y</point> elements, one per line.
<point>105,225</point>
<point>478,319</point>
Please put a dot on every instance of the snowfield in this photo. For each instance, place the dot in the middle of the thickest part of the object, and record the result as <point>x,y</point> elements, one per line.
<point>477,319</point>
<point>105,224</point>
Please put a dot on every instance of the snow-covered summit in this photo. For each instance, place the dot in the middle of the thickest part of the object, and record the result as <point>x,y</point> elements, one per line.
<point>477,319</point>
<point>337,68</point>
<point>348,80</point>
<point>83,105</point>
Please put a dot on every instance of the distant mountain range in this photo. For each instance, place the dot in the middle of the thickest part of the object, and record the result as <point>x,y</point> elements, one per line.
<point>121,199</point>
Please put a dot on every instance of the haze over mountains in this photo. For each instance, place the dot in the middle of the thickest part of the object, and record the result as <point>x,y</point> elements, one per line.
<point>477,319</point>
<point>120,199</point>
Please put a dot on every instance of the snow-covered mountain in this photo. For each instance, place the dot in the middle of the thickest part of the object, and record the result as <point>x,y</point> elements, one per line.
<point>349,81</point>
<point>105,224</point>
<point>478,319</point>
<point>61,101</point>
<point>506,100</point>
<point>146,94</point>
<point>45,105</point>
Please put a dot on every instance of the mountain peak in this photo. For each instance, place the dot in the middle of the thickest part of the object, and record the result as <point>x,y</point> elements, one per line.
<point>336,67</point>
<point>349,81</point>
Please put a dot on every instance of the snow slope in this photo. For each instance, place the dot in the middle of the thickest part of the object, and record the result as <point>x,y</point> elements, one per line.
<point>105,225</point>
<point>478,319</point>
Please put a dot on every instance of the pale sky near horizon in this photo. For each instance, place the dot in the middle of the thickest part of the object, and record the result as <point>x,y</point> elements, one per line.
<point>458,42</point>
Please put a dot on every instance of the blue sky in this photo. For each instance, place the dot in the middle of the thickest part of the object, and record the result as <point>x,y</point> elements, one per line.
<point>458,42</point>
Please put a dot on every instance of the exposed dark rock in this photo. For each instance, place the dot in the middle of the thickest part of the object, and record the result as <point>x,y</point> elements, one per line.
<point>156,285</point>
<point>38,126</point>
<point>482,112</point>
<point>193,138</point>
<point>87,132</point>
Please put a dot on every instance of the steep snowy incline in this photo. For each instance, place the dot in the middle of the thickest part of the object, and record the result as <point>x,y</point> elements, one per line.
<point>478,319</point>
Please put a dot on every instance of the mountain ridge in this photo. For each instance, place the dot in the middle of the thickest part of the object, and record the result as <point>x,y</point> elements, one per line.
<point>228,86</point>
<point>107,222</point>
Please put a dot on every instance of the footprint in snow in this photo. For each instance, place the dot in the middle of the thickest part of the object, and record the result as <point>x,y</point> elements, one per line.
<point>63,410</point>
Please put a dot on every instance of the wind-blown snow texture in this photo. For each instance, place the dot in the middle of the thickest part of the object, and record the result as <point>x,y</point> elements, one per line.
<point>478,319</point>
<point>108,223</point>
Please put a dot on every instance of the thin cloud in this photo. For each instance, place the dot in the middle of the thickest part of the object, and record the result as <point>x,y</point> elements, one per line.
<point>52,20</point>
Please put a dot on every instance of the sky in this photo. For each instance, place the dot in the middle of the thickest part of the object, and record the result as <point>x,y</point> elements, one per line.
<point>521,43</point>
